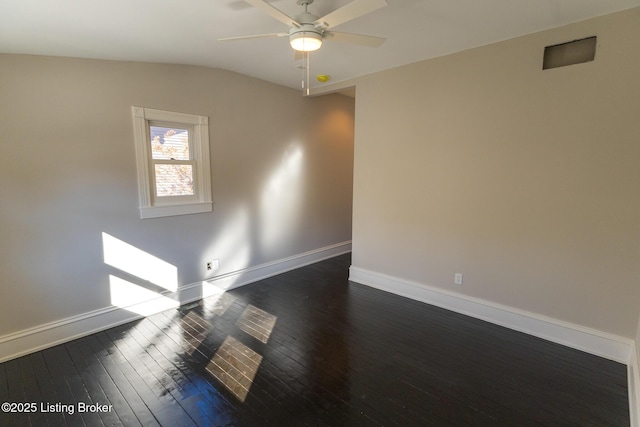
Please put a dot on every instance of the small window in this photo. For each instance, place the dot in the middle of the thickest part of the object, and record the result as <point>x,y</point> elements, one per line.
<point>172,153</point>
<point>172,160</point>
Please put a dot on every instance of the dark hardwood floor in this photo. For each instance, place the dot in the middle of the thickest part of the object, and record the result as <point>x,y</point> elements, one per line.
<point>308,348</point>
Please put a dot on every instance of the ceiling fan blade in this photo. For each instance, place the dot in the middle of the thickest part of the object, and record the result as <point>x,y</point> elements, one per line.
<point>273,12</point>
<point>368,41</point>
<point>348,12</point>
<point>256,36</point>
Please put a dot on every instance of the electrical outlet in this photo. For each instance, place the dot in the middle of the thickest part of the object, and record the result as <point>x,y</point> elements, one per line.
<point>457,279</point>
<point>209,266</point>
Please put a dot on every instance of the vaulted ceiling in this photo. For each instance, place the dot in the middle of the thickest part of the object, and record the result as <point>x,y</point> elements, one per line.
<point>187,31</point>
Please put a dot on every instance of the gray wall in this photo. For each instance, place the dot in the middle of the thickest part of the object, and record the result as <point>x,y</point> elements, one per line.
<point>524,180</point>
<point>281,171</point>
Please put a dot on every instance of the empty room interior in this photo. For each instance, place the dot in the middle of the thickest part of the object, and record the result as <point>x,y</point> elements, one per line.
<point>439,226</point>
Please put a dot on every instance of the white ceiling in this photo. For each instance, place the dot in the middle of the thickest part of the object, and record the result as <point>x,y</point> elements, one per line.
<point>187,31</point>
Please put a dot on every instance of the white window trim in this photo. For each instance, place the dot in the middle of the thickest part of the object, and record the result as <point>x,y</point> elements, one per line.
<point>150,206</point>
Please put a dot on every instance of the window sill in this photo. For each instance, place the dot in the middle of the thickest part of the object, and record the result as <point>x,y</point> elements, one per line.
<point>174,210</point>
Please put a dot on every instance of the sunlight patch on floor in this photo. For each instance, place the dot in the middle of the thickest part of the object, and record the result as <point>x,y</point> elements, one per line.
<point>257,323</point>
<point>235,366</point>
<point>194,331</point>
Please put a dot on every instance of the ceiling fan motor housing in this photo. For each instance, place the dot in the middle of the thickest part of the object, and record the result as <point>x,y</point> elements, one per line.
<point>306,37</point>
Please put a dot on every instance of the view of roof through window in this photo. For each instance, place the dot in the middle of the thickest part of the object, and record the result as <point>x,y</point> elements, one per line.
<point>173,166</point>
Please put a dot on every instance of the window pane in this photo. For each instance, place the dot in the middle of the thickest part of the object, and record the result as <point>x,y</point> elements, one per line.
<point>169,143</point>
<point>174,180</point>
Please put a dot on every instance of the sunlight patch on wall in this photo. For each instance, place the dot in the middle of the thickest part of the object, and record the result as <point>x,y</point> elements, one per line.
<point>232,247</point>
<point>137,299</point>
<point>215,300</point>
<point>281,198</point>
<point>211,291</point>
<point>337,127</point>
<point>217,305</point>
<point>139,263</point>
<point>149,269</point>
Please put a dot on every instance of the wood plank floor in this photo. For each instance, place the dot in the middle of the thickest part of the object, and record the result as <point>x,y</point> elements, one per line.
<point>308,348</point>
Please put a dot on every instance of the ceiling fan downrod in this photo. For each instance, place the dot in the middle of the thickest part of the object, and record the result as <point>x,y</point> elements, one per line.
<point>304,3</point>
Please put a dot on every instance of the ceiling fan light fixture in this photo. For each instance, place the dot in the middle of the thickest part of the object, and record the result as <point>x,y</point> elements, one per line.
<point>305,41</point>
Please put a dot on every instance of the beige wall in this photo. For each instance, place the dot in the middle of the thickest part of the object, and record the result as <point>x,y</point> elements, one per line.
<point>634,381</point>
<point>281,170</point>
<point>638,347</point>
<point>524,180</point>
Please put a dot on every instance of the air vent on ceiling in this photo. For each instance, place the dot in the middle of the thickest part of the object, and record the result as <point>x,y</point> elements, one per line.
<point>574,52</point>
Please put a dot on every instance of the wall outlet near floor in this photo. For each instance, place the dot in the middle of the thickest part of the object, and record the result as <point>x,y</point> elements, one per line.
<point>457,279</point>
<point>213,265</point>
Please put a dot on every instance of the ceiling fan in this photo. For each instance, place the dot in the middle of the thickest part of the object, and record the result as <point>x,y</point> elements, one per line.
<point>307,31</point>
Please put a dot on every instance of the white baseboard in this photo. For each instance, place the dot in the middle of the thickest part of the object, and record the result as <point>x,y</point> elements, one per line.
<point>50,334</point>
<point>634,387</point>
<point>245,276</point>
<point>596,342</point>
